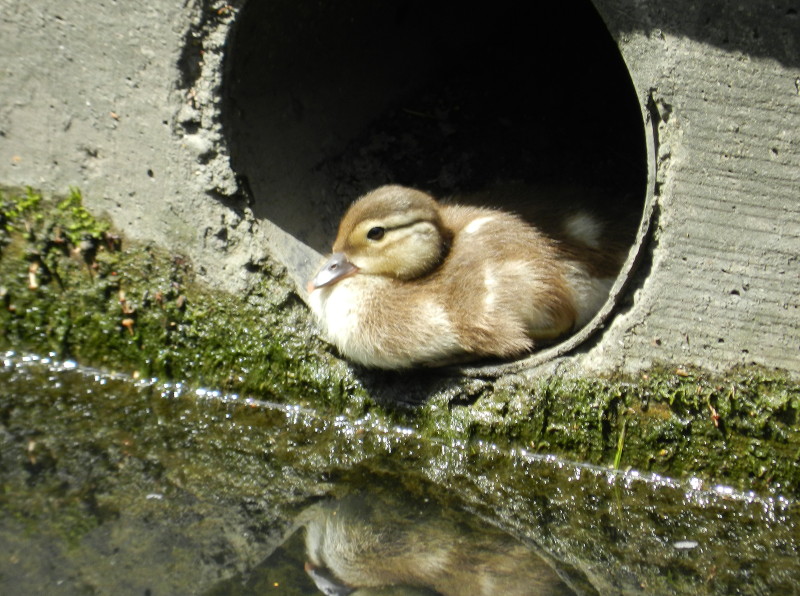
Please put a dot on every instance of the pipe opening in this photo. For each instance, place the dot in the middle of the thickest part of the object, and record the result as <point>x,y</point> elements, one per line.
<point>326,101</point>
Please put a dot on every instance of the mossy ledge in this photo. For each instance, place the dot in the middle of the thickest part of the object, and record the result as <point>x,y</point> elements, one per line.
<point>70,286</point>
<point>73,288</point>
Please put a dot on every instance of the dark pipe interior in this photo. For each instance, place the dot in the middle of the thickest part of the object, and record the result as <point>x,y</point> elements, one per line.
<point>324,101</point>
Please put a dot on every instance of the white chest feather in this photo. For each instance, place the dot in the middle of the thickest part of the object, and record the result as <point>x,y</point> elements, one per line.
<point>380,335</point>
<point>337,309</point>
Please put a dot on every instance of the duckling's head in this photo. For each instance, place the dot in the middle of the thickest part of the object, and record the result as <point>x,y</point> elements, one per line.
<point>392,231</point>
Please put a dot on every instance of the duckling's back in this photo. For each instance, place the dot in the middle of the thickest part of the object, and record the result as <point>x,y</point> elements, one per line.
<point>499,287</point>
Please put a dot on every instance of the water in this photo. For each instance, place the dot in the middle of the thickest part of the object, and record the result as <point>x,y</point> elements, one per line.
<point>115,486</point>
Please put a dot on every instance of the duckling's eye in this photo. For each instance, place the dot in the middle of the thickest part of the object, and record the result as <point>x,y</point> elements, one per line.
<point>376,233</point>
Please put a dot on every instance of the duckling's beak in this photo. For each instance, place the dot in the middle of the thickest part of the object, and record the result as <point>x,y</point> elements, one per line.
<point>325,582</point>
<point>335,268</point>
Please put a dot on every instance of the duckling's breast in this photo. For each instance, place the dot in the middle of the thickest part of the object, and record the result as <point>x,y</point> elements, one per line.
<point>340,308</point>
<point>385,323</point>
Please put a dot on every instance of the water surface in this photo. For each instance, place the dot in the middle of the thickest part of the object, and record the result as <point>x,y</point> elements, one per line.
<point>116,486</point>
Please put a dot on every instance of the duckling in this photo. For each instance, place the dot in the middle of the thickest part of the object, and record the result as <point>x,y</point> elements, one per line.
<point>395,545</point>
<point>414,282</point>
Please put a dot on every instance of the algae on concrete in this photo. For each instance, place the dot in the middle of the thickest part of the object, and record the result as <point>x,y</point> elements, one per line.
<point>72,288</point>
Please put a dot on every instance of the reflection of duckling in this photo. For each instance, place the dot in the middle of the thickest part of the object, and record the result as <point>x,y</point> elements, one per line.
<point>357,546</point>
<point>412,282</point>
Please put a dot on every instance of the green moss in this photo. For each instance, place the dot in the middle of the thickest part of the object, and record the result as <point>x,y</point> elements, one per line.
<point>14,208</point>
<point>71,287</point>
<point>740,429</point>
<point>79,224</point>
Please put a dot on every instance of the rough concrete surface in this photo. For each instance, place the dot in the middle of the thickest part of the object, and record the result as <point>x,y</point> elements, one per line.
<point>128,102</point>
<point>109,98</point>
<point>724,284</point>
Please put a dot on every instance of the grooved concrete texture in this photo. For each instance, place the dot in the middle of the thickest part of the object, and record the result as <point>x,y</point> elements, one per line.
<point>128,102</point>
<point>724,284</point>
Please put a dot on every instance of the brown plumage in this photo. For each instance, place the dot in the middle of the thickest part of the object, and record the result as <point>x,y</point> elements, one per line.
<point>363,544</point>
<point>414,282</point>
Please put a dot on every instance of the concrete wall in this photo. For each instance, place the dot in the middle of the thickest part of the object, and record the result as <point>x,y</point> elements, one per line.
<point>149,110</point>
<point>723,81</point>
